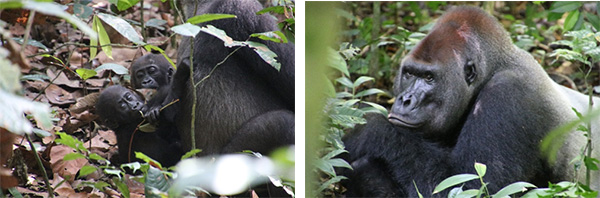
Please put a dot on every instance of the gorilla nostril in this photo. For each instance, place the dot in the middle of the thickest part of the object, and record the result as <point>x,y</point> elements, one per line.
<point>406,102</point>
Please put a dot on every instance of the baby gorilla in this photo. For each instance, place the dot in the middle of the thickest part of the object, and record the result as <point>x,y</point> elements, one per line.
<point>120,109</point>
<point>153,71</point>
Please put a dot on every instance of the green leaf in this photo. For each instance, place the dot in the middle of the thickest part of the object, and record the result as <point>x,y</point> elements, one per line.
<point>147,128</point>
<point>118,69</point>
<point>454,180</point>
<point>362,80</point>
<point>122,27</point>
<point>94,40</point>
<point>10,5</point>
<point>35,77</point>
<point>275,36</point>
<point>103,37</point>
<point>123,188</point>
<point>208,17</point>
<point>82,11</point>
<point>591,163</point>
<point>593,19</point>
<point>265,53</point>
<point>336,61</point>
<point>513,188</point>
<point>481,169</point>
<point>15,193</point>
<point>54,9</point>
<point>86,170</point>
<point>368,92</point>
<point>565,6</point>
<point>222,35</point>
<point>346,82</point>
<point>156,23</point>
<point>155,179</point>
<point>126,4</point>
<point>468,193</point>
<point>274,9</point>
<point>147,159</point>
<point>337,162</point>
<point>41,133</point>
<point>100,185</point>
<point>85,73</point>
<point>73,156</point>
<point>97,157</point>
<point>133,166</point>
<point>571,20</point>
<point>190,153</point>
<point>186,29</point>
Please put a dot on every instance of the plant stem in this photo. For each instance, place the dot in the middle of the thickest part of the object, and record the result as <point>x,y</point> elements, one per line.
<point>42,168</point>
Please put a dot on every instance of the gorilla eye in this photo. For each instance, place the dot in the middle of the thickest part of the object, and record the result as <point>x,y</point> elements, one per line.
<point>408,74</point>
<point>470,72</point>
<point>429,78</point>
<point>151,69</point>
<point>128,96</point>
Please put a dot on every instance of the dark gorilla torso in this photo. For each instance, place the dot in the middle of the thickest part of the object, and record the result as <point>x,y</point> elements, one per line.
<point>243,87</point>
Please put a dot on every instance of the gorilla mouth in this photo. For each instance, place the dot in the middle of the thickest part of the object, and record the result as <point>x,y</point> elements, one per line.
<point>396,120</point>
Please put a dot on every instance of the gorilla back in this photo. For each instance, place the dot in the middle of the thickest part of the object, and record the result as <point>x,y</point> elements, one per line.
<point>466,94</point>
<point>243,87</point>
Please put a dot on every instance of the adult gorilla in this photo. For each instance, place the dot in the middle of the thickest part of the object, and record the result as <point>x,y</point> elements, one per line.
<point>242,89</point>
<point>466,94</point>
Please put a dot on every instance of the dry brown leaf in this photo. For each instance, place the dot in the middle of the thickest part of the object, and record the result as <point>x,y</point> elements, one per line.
<point>62,79</point>
<point>84,103</point>
<point>65,189</point>
<point>108,136</point>
<point>121,56</point>
<point>57,95</point>
<point>65,168</point>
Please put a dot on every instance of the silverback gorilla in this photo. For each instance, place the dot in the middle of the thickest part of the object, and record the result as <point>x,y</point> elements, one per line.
<point>466,94</point>
<point>245,103</point>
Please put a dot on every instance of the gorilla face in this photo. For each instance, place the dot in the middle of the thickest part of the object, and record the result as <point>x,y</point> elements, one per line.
<point>151,71</point>
<point>434,95</point>
<point>120,105</point>
<point>148,76</point>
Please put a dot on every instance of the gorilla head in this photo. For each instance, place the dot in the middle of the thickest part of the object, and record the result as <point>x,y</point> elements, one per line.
<point>151,71</point>
<point>439,79</point>
<point>119,106</point>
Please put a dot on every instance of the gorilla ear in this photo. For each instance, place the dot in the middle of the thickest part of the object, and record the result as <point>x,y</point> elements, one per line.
<point>470,72</point>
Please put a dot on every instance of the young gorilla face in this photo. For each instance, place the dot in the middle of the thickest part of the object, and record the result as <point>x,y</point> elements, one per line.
<point>119,105</point>
<point>151,71</point>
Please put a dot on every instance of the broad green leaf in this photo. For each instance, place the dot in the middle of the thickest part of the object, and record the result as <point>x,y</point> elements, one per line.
<point>54,9</point>
<point>41,133</point>
<point>103,38</point>
<point>10,5</point>
<point>14,107</point>
<point>156,23</point>
<point>149,48</point>
<point>368,92</point>
<point>85,73</point>
<point>362,80</point>
<point>93,41</point>
<point>275,36</point>
<point>126,4</point>
<point>325,166</point>
<point>591,163</point>
<point>571,20</point>
<point>123,188</point>
<point>155,179</point>
<point>118,69</point>
<point>565,6</point>
<point>147,128</point>
<point>186,29</point>
<point>208,17</point>
<point>593,19</point>
<point>147,159</point>
<point>97,157</point>
<point>468,193</point>
<point>190,153</point>
<point>82,11</point>
<point>122,27</point>
<point>86,170</point>
<point>336,61</point>
<point>481,169</point>
<point>346,82</point>
<point>222,35</point>
<point>454,180</point>
<point>31,42</point>
<point>513,188</point>
<point>73,156</point>
<point>265,53</point>
<point>70,141</point>
<point>133,166</point>
<point>100,185</point>
<point>274,9</point>
<point>337,162</point>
